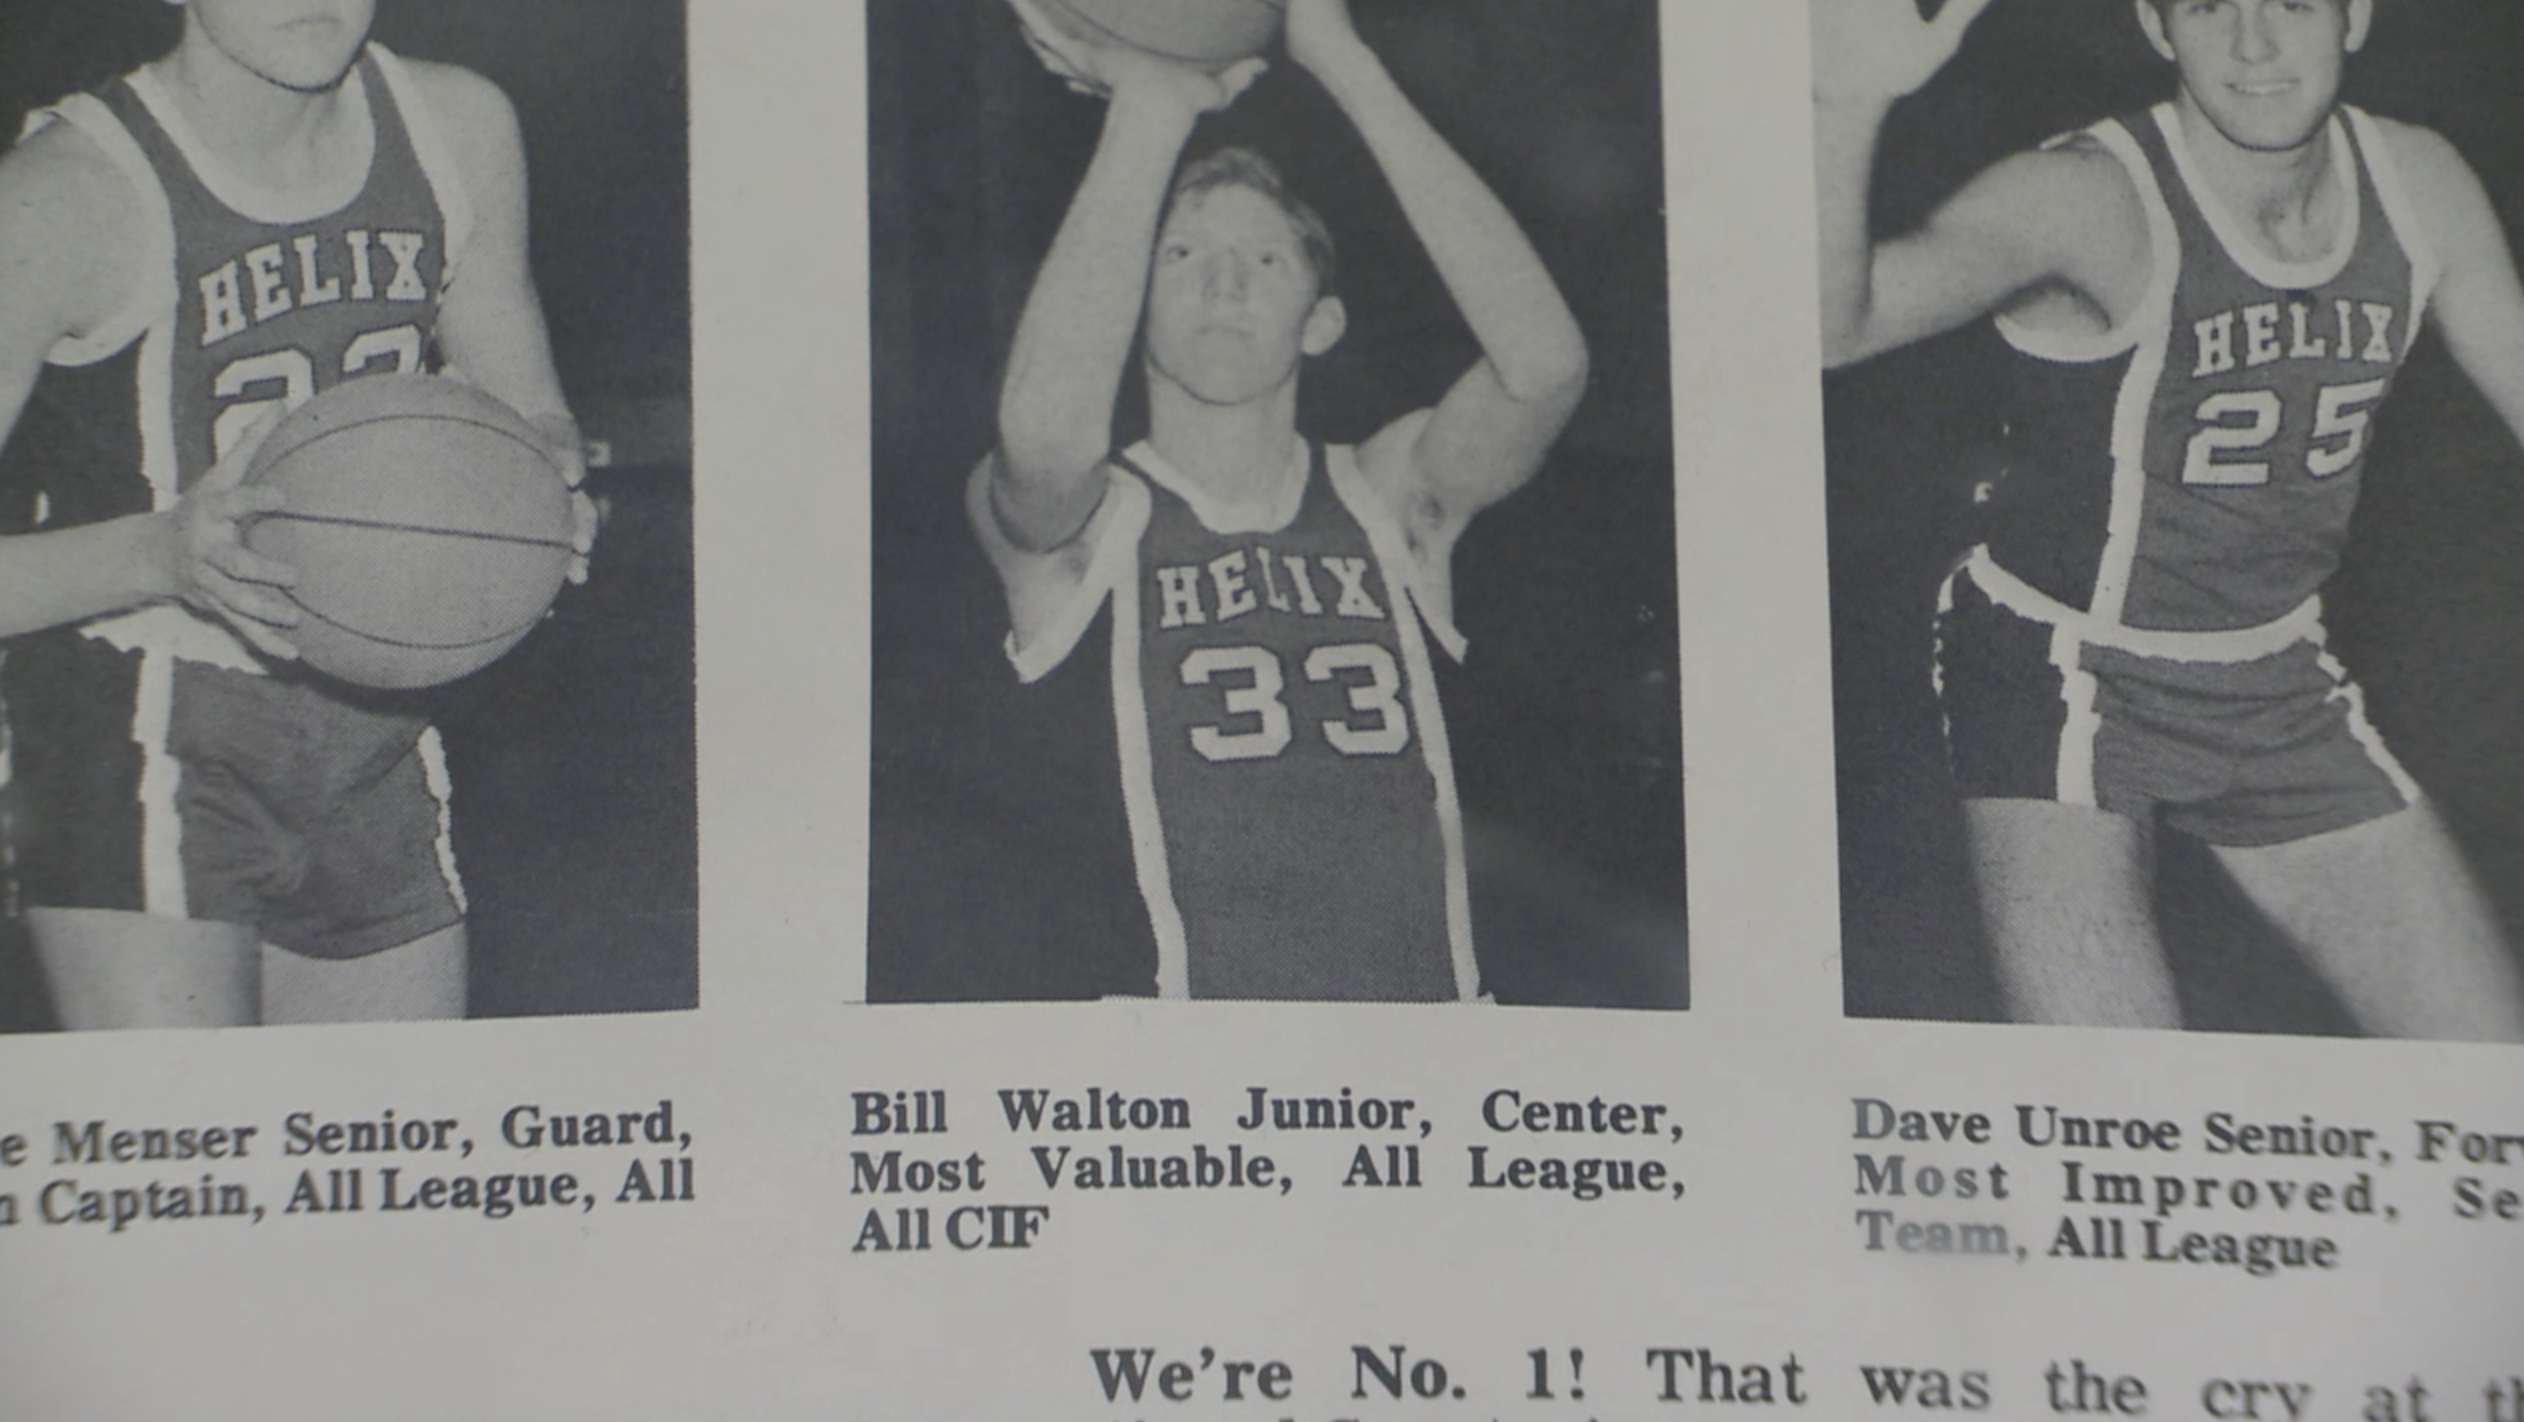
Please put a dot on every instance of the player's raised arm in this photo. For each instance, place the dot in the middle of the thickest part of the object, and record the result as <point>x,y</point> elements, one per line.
<point>67,262</point>
<point>1488,436</point>
<point>1073,341</point>
<point>2479,301</point>
<point>2033,218</point>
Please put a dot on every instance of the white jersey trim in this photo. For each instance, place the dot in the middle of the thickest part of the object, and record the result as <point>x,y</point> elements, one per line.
<point>1115,569</point>
<point>2240,644</point>
<point>2276,273</point>
<point>1438,753</point>
<point>1267,515</point>
<point>1112,565</point>
<point>170,629</point>
<point>273,207</point>
<point>1139,781</point>
<point>422,128</point>
<point>1406,580</point>
<point>2132,404</point>
<point>152,299</point>
<point>2066,348</point>
<point>1402,571</point>
<point>2426,266</point>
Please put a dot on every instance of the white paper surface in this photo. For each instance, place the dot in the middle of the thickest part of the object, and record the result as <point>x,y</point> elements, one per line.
<point>764,1295</point>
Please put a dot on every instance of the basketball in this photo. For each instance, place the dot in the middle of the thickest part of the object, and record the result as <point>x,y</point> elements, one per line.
<point>429,528</point>
<point>1209,33</point>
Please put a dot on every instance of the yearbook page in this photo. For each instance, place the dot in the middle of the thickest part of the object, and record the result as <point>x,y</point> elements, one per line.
<point>1295,709</point>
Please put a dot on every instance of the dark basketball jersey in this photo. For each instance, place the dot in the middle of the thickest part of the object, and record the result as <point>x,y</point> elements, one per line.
<point>2194,469</point>
<point>1284,763</point>
<point>253,300</point>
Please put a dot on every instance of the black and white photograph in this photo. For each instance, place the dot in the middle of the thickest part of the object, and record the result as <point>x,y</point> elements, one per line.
<point>1120,547</point>
<point>1273,477</point>
<point>2177,371</point>
<point>345,536</point>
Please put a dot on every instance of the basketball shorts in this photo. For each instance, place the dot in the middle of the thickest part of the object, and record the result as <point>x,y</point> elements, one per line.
<point>191,791</point>
<point>2245,738</point>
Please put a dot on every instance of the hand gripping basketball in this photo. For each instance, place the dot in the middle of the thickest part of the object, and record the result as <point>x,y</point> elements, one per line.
<point>567,447</point>
<point>209,564</point>
<point>1200,55</point>
<point>430,526</point>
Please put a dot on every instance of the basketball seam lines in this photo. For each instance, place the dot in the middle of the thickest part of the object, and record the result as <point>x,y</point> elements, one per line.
<point>322,435</point>
<point>388,526</point>
<point>360,632</point>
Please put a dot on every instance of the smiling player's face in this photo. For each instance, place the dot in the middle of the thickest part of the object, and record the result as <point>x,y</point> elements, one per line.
<point>2265,73</point>
<point>1233,305</point>
<point>301,45</point>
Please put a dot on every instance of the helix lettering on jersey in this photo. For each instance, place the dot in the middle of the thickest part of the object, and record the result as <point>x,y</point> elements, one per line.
<point>271,280</point>
<point>2242,433</point>
<point>1233,585</point>
<point>2266,333</point>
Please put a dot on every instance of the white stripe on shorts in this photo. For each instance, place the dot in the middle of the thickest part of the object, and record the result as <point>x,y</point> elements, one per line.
<point>2303,623</point>
<point>442,788</point>
<point>162,891</point>
<point>2347,694</point>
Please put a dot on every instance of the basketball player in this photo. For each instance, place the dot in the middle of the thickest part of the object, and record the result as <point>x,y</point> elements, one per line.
<point>2206,303</point>
<point>1284,762</point>
<point>204,836</point>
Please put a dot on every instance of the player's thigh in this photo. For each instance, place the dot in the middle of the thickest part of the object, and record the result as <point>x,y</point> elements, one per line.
<point>423,980</point>
<point>2044,868</point>
<point>2067,896</point>
<point>2389,913</point>
<point>110,968</point>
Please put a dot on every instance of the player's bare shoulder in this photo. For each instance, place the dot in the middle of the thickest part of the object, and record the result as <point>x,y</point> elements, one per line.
<point>2076,209</point>
<point>2442,186</point>
<point>70,237</point>
<point>2423,155</point>
<point>479,121</point>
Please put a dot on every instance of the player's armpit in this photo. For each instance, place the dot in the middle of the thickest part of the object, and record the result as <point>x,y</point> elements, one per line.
<point>2070,215</point>
<point>1042,510</point>
<point>1479,444</point>
<point>1042,585</point>
<point>70,249</point>
<point>70,246</point>
<point>70,253</point>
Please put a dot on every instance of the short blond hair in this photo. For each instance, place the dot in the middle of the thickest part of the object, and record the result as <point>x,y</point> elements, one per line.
<point>1246,168</point>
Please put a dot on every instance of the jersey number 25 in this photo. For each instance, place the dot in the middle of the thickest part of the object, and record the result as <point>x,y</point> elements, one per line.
<point>2243,422</point>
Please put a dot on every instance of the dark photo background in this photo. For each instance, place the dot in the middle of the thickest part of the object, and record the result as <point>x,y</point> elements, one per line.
<point>1000,864</point>
<point>2427,610</point>
<point>573,757</point>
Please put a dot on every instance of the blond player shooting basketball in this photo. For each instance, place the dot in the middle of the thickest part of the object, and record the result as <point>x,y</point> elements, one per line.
<point>1273,601</point>
<point>203,837</point>
<point>2206,304</point>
